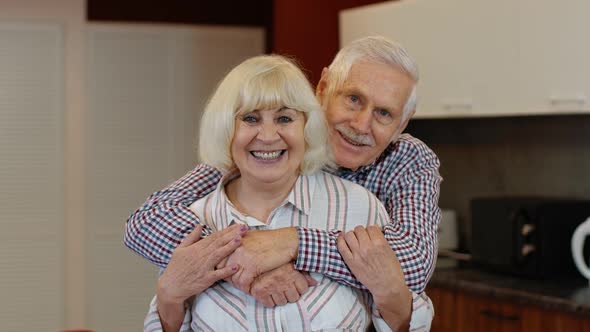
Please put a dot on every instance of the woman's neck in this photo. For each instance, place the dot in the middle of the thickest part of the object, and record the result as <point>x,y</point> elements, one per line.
<point>258,199</point>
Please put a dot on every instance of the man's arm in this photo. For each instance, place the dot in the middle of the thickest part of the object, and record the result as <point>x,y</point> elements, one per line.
<point>412,206</point>
<point>157,227</point>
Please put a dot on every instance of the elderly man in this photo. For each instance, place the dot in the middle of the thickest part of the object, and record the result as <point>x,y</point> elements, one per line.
<point>368,94</point>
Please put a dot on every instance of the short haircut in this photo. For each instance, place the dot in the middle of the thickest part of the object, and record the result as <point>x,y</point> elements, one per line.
<point>372,49</point>
<point>259,83</point>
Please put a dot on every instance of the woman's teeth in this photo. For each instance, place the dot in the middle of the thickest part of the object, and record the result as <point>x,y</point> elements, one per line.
<point>267,155</point>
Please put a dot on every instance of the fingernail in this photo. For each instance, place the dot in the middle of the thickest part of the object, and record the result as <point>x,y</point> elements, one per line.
<point>244,228</point>
<point>234,267</point>
<point>238,239</point>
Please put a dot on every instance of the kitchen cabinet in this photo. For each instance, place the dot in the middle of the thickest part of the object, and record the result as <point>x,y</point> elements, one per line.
<point>487,58</point>
<point>459,311</point>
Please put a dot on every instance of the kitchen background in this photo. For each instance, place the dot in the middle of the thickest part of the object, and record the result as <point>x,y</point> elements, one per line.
<point>97,110</point>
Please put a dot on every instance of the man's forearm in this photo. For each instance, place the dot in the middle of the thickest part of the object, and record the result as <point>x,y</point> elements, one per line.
<point>155,229</point>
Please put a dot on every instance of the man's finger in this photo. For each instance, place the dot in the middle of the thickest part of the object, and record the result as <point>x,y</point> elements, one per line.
<point>375,233</point>
<point>351,241</point>
<point>267,301</point>
<point>310,281</point>
<point>292,295</point>
<point>362,236</point>
<point>302,284</point>
<point>193,237</point>
<point>279,299</point>
<point>343,248</point>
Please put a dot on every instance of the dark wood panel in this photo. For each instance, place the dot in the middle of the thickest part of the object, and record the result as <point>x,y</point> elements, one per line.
<point>218,12</point>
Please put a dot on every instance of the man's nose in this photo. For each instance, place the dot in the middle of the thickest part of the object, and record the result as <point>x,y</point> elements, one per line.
<point>361,121</point>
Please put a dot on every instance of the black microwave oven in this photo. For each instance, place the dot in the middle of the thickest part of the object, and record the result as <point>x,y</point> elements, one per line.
<point>527,236</point>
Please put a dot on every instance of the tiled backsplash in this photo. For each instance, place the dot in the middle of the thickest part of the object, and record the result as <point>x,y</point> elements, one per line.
<point>544,155</point>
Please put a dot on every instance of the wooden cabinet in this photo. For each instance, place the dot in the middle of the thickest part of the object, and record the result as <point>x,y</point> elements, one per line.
<point>462,312</point>
<point>487,58</point>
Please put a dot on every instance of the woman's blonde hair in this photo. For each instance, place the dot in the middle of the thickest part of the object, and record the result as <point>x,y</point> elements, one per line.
<point>262,82</point>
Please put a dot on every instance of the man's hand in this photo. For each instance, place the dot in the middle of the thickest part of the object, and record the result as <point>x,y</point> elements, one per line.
<point>262,251</point>
<point>281,286</point>
<point>375,265</point>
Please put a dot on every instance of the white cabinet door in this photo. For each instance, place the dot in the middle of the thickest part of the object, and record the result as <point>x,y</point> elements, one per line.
<point>31,177</point>
<point>555,58</point>
<point>457,47</point>
<point>488,58</point>
<point>146,89</point>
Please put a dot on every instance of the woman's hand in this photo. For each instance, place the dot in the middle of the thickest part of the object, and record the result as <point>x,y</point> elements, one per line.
<point>375,265</point>
<point>191,270</point>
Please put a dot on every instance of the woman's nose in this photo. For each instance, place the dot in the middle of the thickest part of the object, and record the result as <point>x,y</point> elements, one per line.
<point>268,132</point>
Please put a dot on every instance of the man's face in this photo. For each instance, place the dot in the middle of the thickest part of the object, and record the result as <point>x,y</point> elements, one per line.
<point>365,114</point>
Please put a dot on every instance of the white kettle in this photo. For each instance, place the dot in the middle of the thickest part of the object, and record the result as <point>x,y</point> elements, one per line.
<point>578,238</point>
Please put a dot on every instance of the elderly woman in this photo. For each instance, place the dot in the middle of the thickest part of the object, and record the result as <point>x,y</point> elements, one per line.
<point>264,128</point>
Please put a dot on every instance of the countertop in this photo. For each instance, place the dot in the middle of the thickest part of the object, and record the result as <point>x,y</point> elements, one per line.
<point>571,296</point>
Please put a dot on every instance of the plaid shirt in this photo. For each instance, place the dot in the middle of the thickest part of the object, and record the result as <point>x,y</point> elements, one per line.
<point>405,178</point>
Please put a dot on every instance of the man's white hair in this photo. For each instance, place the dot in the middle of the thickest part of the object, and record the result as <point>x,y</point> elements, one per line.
<point>373,49</point>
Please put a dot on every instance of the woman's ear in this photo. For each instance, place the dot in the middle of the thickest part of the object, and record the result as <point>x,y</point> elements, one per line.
<point>320,89</point>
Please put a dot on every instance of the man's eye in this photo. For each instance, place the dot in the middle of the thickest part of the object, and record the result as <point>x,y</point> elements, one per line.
<point>284,119</point>
<point>249,118</point>
<point>383,113</point>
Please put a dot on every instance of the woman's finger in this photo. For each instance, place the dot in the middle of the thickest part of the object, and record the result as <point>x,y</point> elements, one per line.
<point>193,237</point>
<point>224,272</point>
<point>310,281</point>
<point>221,238</point>
<point>219,254</point>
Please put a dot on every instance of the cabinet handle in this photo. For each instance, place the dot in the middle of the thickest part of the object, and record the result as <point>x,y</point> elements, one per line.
<point>573,100</point>
<point>497,316</point>
<point>458,104</point>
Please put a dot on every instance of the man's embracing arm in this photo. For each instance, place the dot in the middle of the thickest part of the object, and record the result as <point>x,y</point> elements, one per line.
<point>157,227</point>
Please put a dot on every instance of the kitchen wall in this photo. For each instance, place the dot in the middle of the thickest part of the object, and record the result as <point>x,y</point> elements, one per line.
<point>542,155</point>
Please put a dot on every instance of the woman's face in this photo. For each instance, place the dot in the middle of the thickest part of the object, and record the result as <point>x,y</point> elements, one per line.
<point>268,145</point>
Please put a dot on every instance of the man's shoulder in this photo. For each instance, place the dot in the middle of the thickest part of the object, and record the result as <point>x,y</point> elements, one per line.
<point>408,147</point>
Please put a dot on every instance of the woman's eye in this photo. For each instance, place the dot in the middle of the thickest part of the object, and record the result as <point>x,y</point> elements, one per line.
<point>284,119</point>
<point>354,99</point>
<point>249,118</point>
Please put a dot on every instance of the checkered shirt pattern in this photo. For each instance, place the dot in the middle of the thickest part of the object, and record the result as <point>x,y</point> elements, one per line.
<point>405,178</point>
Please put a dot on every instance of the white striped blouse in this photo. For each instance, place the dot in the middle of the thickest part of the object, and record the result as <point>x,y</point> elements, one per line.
<point>321,201</point>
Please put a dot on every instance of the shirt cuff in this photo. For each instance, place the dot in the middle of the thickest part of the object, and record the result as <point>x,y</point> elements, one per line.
<point>314,246</point>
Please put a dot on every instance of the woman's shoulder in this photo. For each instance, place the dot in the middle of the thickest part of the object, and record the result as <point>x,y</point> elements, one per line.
<point>345,187</point>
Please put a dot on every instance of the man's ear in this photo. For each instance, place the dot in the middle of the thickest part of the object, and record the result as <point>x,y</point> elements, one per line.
<point>320,89</point>
<point>405,124</point>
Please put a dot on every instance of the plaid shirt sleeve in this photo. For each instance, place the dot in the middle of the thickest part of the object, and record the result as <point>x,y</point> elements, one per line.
<point>414,215</point>
<point>156,228</point>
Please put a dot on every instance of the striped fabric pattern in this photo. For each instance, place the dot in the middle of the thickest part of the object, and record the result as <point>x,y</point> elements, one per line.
<point>405,178</point>
<point>325,201</point>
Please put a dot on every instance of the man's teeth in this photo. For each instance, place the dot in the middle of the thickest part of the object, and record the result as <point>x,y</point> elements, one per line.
<point>266,155</point>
